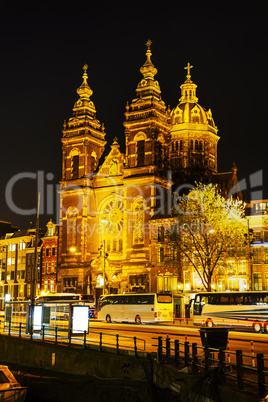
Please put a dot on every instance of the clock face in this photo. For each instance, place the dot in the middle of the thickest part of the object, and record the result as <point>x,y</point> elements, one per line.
<point>112,216</point>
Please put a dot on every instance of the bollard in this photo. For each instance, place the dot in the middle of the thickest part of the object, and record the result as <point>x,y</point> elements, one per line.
<point>85,340</point>
<point>194,358</point>
<point>186,354</point>
<point>228,349</point>
<point>239,370</point>
<point>261,375</point>
<point>167,347</point>
<point>56,335</point>
<point>117,344</point>
<point>135,346</point>
<point>221,357</point>
<point>160,350</point>
<point>9,328</point>
<point>20,331</point>
<point>43,333</point>
<point>100,345</point>
<point>177,352</point>
<point>207,354</point>
<point>252,353</point>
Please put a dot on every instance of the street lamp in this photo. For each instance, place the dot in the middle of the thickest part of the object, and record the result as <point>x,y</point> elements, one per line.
<point>248,237</point>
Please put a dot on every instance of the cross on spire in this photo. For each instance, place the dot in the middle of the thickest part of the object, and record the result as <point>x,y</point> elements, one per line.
<point>188,67</point>
<point>148,43</point>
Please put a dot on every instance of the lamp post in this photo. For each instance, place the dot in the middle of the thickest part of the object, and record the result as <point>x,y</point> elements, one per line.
<point>248,237</point>
<point>33,285</point>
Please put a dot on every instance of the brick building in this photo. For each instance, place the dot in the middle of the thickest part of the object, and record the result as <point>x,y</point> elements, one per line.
<point>108,198</point>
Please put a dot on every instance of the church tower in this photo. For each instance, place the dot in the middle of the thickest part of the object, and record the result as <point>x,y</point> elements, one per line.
<point>193,146</point>
<point>146,183</point>
<point>146,124</point>
<point>83,143</point>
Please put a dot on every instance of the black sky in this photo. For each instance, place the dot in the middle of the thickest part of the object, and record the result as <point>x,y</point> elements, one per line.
<point>42,55</point>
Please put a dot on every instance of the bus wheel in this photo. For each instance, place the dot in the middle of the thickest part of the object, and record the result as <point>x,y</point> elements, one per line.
<point>209,323</point>
<point>108,318</point>
<point>257,326</point>
<point>138,320</point>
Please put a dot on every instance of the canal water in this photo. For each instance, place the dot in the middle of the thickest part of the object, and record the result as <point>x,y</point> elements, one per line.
<point>46,386</point>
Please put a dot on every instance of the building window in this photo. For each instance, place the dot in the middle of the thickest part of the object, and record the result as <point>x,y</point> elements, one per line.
<point>257,281</point>
<point>140,152</point>
<point>52,286</point>
<point>70,282</point>
<point>161,234</point>
<point>75,167</point>
<point>256,255</point>
<point>187,280</point>
<point>138,214</point>
<point>160,255</point>
<point>191,145</point>
<point>220,285</point>
<point>52,267</point>
<point>71,228</point>
<point>233,284</point>
<point>47,252</point>
<point>265,255</point>
<point>53,251</point>
<point>242,267</point>
<point>266,281</point>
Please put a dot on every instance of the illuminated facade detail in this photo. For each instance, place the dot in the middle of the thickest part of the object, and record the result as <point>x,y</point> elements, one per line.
<point>49,258</point>
<point>194,138</point>
<point>138,215</point>
<point>112,217</point>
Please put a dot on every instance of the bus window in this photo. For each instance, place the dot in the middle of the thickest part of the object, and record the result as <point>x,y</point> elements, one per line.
<point>224,299</point>
<point>247,300</point>
<point>204,300</point>
<point>164,298</point>
<point>238,299</point>
<point>212,299</point>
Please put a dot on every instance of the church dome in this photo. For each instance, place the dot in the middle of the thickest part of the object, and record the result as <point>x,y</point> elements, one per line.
<point>188,110</point>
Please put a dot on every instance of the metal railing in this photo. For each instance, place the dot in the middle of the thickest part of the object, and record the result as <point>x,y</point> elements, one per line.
<point>83,338</point>
<point>230,369</point>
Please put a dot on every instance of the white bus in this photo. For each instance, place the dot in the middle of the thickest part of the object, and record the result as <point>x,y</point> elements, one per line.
<point>138,308</point>
<point>235,309</point>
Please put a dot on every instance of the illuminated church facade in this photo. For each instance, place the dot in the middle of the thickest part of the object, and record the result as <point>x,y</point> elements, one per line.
<point>107,203</point>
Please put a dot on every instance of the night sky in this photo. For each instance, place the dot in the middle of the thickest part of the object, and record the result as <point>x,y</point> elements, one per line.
<point>42,55</point>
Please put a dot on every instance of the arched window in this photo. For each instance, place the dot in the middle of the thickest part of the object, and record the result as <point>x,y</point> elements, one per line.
<point>177,145</point>
<point>181,146</point>
<point>71,228</point>
<point>196,145</point>
<point>200,146</point>
<point>172,146</point>
<point>75,167</point>
<point>140,152</point>
<point>191,145</point>
<point>93,161</point>
<point>138,214</point>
